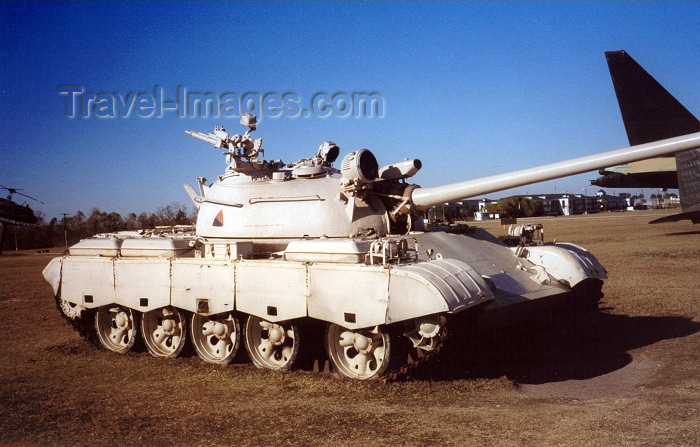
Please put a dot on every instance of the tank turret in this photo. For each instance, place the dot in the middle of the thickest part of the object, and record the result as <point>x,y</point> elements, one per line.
<point>271,203</point>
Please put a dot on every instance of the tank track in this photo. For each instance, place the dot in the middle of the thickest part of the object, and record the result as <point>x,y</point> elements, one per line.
<point>414,359</point>
<point>408,361</point>
<point>417,359</point>
<point>586,295</point>
<point>83,323</point>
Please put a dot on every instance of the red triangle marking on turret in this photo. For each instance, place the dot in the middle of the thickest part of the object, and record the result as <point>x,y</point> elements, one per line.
<point>219,219</point>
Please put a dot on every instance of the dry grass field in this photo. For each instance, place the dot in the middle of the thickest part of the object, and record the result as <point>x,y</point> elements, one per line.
<point>627,375</point>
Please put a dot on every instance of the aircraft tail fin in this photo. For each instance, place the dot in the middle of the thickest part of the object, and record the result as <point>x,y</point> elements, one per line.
<point>651,113</point>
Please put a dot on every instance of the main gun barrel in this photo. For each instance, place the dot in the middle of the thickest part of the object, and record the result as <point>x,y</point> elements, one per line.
<point>424,198</point>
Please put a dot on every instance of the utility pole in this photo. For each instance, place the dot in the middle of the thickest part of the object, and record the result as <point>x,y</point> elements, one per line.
<point>65,230</point>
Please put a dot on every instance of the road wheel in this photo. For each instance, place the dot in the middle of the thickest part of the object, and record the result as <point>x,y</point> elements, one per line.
<point>358,353</point>
<point>116,327</point>
<point>271,345</point>
<point>215,338</point>
<point>164,331</point>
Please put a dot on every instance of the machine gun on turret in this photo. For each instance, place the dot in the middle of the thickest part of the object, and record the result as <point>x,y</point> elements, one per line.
<point>239,147</point>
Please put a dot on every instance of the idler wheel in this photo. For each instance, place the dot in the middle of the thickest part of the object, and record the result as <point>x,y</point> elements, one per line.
<point>271,345</point>
<point>215,338</point>
<point>70,310</point>
<point>164,331</point>
<point>116,328</point>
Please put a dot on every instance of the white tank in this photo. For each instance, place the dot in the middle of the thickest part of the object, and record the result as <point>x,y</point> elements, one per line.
<point>305,262</point>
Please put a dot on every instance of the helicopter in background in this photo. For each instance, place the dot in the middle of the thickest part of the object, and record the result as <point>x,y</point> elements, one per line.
<point>14,214</point>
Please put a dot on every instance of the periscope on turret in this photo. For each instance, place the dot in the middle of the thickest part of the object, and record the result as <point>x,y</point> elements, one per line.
<point>292,259</point>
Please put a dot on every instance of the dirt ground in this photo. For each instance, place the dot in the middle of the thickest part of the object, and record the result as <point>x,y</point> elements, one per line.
<point>628,374</point>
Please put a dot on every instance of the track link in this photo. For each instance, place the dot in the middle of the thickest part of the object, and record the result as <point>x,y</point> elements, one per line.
<point>416,359</point>
<point>83,323</point>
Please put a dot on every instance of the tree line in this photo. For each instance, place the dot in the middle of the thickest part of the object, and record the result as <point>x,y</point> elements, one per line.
<point>71,229</point>
<point>517,207</point>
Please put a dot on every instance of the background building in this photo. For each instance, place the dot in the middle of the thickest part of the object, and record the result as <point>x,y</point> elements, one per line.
<point>565,204</point>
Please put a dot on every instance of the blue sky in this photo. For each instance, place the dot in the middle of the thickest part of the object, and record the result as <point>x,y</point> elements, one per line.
<point>472,89</point>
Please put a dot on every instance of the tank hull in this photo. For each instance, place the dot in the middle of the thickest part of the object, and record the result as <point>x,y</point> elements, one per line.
<point>361,295</point>
<point>517,274</point>
<point>346,284</point>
